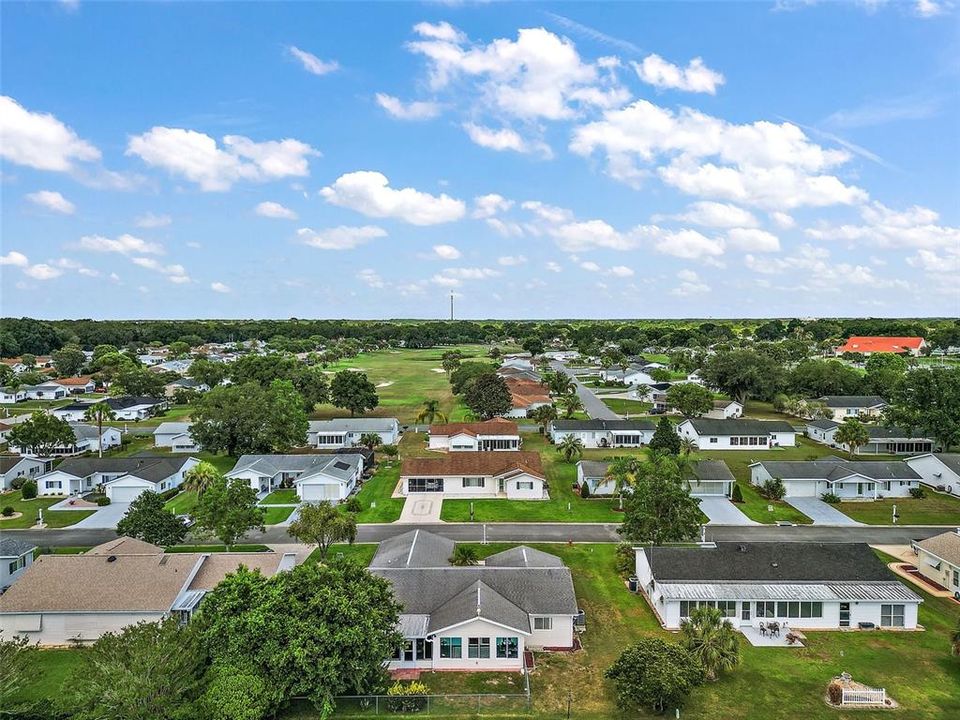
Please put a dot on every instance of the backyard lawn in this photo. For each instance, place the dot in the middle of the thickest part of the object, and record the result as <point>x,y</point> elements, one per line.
<point>30,508</point>
<point>623,406</point>
<point>283,496</point>
<point>934,509</point>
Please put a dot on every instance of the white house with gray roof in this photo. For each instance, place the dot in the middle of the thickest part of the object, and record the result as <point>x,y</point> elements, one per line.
<point>15,557</point>
<point>346,432</point>
<point>175,436</point>
<point>940,471</point>
<point>813,586</point>
<point>123,479</point>
<point>938,559</point>
<point>14,466</point>
<point>708,478</point>
<point>848,480</point>
<point>315,477</point>
<point>856,406</point>
<point>883,440</point>
<point>738,434</point>
<point>599,433</point>
<point>479,617</point>
<point>87,438</point>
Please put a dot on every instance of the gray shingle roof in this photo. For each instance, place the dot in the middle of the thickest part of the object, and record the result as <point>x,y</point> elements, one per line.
<point>823,424</point>
<point>878,432</point>
<point>945,546</point>
<point>303,465</point>
<point>83,431</point>
<point>149,468</point>
<point>172,428</point>
<point>712,471</point>
<point>836,469</point>
<point>14,547</point>
<point>852,401</point>
<point>739,426</point>
<point>479,600</point>
<point>769,562</point>
<point>951,460</point>
<point>600,424</point>
<point>594,468</point>
<point>129,401</point>
<point>414,549</point>
<point>523,556</point>
<point>353,425</point>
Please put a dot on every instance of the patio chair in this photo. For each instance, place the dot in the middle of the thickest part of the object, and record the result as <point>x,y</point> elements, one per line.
<point>763,630</point>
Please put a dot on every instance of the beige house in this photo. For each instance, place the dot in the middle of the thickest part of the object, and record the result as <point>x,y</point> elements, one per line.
<point>938,559</point>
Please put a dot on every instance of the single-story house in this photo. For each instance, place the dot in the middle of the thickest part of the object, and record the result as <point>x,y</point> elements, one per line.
<point>14,466</point>
<point>512,372</point>
<point>170,389</point>
<point>177,366</point>
<point>738,434</point>
<point>176,436</point>
<point>346,432</point>
<point>78,385</point>
<point>491,435</point>
<point>938,470</point>
<point>75,411</point>
<point>938,559</point>
<point>14,364</point>
<point>480,617</point>
<point>812,586</point>
<point>631,376</point>
<point>69,599</point>
<point>87,438</point>
<point>708,478</point>
<point>15,557</point>
<point>11,396</point>
<point>4,431</point>
<point>848,480</point>
<point>526,395</point>
<point>136,408</point>
<point>316,477</point>
<point>724,410</point>
<point>883,440</point>
<point>513,475</point>
<point>867,345</point>
<point>46,391</point>
<point>151,360</point>
<point>654,393</point>
<point>600,433</point>
<point>123,479</point>
<point>855,406</point>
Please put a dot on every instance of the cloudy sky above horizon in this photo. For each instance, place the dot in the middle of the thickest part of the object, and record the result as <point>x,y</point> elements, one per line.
<point>176,160</point>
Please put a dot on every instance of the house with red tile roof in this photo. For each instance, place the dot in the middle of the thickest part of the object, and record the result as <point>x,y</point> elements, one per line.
<point>511,475</point>
<point>525,395</point>
<point>497,435</point>
<point>867,345</point>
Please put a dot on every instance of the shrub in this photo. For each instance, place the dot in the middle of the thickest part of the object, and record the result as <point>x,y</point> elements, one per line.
<point>737,494</point>
<point>407,698</point>
<point>170,494</point>
<point>103,501</point>
<point>918,492</point>
<point>29,490</point>
<point>829,497</point>
<point>17,482</point>
<point>353,505</point>
<point>626,560</point>
<point>585,490</point>
<point>390,451</point>
<point>8,511</point>
<point>773,489</point>
<point>463,555</point>
<point>835,693</point>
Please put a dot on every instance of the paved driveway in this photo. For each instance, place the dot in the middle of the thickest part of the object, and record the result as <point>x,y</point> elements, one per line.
<point>422,508</point>
<point>591,403</point>
<point>723,512</point>
<point>820,512</point>
<point>105,518</point>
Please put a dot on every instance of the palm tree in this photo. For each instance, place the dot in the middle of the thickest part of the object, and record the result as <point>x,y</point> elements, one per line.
<point>624,472</point>
<point>559,383</point>
<point>99,413</point>
<point>543,415</point>
<point>853,434</point>
<point>570,403</point>
<point>711,639</point>
<point>370,440</point>
<point>571,447</point>
<point>464,555</point>
<point>201,477</point>
<point>688,445</point>
<point>430,413</point>
<point>955,641</point>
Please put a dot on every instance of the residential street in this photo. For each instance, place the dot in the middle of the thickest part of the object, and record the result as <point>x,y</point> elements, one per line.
<point>540,532</point>
<point>591,403</point>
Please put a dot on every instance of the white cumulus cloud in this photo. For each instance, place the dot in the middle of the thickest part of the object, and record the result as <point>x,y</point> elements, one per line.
<point>369,192</point>
<point>272,209</point>
<point>311,63</point>
<point>39,140</point>
<point>124,244</point>
<point>717,215</point>
<point>219,287</point>
<point>696,77</point>
<point>753,240</point>
<point>342,237</point>
<point>14,258</point>
<point>446,252</point>
<point>413,110</point>
<point>53,201</point>
<point>151,220</point>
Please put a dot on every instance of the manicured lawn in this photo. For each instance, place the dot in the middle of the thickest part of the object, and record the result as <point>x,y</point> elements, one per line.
<point>276,514</point>
<point>374,496</point>
<point>755,507</point>
<point>934,509</point>
<point>361,553</point>
<point>622,406</point>
<point>412,381</point>
<point>50,669</point>
<point>283,496</point>
<point>30,509</point>
<point>183,503</point>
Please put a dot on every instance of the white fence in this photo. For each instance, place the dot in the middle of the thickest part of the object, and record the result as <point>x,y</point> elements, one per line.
<point>864,697</point>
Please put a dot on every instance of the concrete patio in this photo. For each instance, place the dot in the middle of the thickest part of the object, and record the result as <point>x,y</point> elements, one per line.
<point>753,636</point>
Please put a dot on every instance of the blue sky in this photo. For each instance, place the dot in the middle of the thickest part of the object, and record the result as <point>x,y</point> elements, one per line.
<point>177,160</point>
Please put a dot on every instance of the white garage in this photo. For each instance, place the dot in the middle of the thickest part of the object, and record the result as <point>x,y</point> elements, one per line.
<point>314,492</point>
<point>127,489</point>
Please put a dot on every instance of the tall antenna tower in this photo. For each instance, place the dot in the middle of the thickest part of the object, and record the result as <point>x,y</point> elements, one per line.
<point>451,306</point>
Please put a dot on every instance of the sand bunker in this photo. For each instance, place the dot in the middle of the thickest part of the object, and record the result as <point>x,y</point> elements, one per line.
<point>438,370</point>
<point>387,383</point>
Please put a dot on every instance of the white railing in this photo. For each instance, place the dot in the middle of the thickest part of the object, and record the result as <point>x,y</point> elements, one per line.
<point>864,697</point>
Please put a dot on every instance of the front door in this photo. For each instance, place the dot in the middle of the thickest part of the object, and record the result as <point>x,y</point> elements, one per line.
<point>845,614</point>
<point>745,613</point>
<point>408,651</point>
<point>502,486</point>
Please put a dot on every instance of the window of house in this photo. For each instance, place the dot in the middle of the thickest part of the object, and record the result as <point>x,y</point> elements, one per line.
<point>424,649</point>
<point>478,647</point>
<point>713,440</point>
<point>451,647</point>
<point>728,607</point>
<point>891,615</point>
<point>811,609</point>
<point>766,609</point>
<point>425,485</point>
<point>508,647</point>
<point>543,623</point>
<point>524,485</point>
<point>12,567</point>
<point>734,441</point>
<point>474,482</point>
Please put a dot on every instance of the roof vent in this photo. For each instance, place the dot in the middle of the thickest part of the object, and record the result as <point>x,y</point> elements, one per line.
<point>112,558</point>
<point>742,548</point>
<point>775,564</point>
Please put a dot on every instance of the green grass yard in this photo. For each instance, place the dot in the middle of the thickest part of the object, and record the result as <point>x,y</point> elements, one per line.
<point>30,509</point>
<point>276,514</point>
<point>361,553</point>
<point>934,509</point>
<point>755,507</point>
<point>623,406</point>
<point>374,496</point>
<point>182,503</point>
<point>283,496</point>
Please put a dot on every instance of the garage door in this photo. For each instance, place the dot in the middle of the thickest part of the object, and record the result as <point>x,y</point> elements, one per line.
<point>123,494</point>
<point>313,493</point>
<point>708,488</point>
<point>801,489</point>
